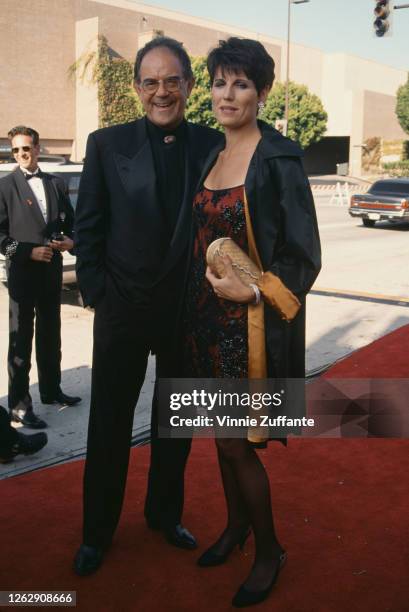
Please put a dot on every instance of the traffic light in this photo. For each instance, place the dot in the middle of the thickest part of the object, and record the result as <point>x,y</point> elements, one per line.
<point>383,18</point>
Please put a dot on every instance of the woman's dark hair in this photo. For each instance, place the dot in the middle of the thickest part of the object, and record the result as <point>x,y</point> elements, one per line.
<point>243,54</point>
<point>24,131</point>
<point>172,45</point>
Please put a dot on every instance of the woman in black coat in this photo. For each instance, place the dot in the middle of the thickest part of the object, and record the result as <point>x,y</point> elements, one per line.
<point>254,191</point>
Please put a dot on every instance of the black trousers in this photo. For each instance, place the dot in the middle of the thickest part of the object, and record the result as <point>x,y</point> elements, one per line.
<point>45,306</point>
<point>122,342</point>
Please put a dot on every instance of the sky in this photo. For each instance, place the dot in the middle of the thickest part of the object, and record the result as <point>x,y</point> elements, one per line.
<point>331,25</point>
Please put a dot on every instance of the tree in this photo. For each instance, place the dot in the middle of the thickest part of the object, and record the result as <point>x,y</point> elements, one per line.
<point>402,106</point>
<point>307,119</point>
<point>199,107</point>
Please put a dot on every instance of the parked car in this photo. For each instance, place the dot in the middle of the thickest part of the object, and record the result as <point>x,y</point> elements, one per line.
<point>387,199</point>
<point>71,173</point>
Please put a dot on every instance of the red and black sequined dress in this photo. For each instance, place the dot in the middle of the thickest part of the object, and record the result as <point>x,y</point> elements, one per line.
<point>216,337</point>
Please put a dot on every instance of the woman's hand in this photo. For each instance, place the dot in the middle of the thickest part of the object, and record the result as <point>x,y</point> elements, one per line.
<point>230,287</point>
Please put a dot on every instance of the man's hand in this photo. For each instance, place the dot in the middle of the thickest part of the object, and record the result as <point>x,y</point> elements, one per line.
<point>230,287</point>
<point>42,253</point>
<point>62,245</point>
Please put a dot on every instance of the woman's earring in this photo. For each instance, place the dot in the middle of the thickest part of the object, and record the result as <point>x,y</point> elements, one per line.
<point>261,106</point>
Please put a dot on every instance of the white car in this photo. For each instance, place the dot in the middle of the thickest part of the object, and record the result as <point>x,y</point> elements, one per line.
<point>71,173</point>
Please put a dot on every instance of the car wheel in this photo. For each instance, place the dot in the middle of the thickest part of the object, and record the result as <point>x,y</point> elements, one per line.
<point>368,222</point>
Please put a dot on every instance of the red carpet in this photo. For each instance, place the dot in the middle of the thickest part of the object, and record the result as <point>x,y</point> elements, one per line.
<point>387,357</point>
<point>366,393</point>
<point>341,509</point>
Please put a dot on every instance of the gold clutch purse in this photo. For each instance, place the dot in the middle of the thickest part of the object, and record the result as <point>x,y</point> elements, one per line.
<point>245,268</point>
<point>274,292</point>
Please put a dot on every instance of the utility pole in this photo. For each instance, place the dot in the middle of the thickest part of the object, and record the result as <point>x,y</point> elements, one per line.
<point>287,80</point>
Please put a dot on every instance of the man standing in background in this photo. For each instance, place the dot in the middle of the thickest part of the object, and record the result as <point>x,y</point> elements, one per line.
<point>36,219</point>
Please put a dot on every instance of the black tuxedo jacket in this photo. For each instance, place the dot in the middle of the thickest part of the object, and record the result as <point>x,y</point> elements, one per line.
<point>21,221</point>
<point>120,231</point>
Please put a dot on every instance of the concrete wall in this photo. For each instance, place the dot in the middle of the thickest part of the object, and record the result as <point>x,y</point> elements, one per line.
<point>86,99</point>
<point>306,67</point>
<point>124,24</point>
<point>198,35</point>
<point>359,96</point>
<point>335,98</point>
<point>37,47</point>
<point>380,117</point>
<point>366,74</point>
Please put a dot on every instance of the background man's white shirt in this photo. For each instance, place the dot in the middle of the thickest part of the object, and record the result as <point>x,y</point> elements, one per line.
<point>37,187</point>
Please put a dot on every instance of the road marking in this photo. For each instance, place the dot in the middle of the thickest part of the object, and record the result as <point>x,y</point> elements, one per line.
<point>393,300</point>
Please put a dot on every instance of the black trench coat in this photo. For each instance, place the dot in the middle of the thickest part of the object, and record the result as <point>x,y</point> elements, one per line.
<point>285,227</point>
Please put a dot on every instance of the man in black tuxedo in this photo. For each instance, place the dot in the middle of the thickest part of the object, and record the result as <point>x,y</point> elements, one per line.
<point>133,221</point>
<point>36,220</point>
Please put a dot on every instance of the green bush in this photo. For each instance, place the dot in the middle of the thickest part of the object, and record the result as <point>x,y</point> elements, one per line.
<point>117,99</point>
<point>397,168</point>
<point>402,106</point>
<point>199,106</point>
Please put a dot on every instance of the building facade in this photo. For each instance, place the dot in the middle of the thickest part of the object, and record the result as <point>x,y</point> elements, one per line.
<point>39,89</point>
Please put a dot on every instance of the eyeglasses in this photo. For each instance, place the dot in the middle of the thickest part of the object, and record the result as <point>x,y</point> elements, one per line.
<point>26,149</point>
<point>171,84</point>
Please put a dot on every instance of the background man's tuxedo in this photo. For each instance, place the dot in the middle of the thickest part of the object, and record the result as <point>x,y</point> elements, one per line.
<point>131,271</point>
<point>34,287</point>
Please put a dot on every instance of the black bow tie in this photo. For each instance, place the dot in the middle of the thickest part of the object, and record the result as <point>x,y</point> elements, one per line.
<point>36,174</point>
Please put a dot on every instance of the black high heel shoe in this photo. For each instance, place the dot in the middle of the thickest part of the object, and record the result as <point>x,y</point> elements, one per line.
<point>211,558</point>
<point>244,597</point>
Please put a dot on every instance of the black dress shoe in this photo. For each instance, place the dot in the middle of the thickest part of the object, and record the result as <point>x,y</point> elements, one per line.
<point>179,536</point>
<point>60,398</point>
<point>29,419</point>
<point>87,560</point>
<point>24,445</point>
<point>244,598</point>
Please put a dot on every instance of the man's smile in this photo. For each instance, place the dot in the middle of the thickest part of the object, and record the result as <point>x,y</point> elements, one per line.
<point>163,104</point>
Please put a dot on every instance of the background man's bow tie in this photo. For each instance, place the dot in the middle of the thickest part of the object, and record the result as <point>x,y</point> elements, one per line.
<point>37,174</point>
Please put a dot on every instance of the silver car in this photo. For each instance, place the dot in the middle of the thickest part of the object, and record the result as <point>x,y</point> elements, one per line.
<point>386,200</point>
